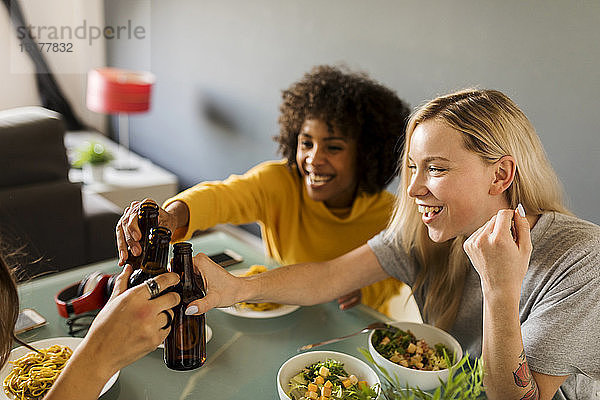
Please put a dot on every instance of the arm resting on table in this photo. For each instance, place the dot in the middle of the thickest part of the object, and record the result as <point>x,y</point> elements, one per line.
<point>302,284</point>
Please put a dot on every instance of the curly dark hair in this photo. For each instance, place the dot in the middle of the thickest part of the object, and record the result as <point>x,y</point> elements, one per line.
<point>359,108</point>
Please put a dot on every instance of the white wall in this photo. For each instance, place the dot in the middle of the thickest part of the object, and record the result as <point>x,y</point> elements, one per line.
<point>18,87</point>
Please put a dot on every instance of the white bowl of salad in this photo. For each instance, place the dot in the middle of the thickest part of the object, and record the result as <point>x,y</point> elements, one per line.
<point>413,353</point>
<point>329,375</point>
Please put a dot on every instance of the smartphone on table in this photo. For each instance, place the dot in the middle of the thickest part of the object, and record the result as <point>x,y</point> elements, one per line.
<point>29,319</point>
<point>226,258</point>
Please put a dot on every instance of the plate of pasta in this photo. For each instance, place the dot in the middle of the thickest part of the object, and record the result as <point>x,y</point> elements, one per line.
<point>257,310</point>
<point>28,375</point>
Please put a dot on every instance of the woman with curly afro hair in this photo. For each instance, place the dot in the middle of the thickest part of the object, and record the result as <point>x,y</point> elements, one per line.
<point>359,108</point>
<point>341,135</point>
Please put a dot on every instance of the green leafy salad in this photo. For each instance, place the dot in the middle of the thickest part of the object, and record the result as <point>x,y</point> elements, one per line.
<point>329,381</point>
<point>403,348</point>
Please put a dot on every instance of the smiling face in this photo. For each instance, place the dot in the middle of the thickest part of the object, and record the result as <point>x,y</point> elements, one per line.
<point>327,163</point>
<point>450,184</point>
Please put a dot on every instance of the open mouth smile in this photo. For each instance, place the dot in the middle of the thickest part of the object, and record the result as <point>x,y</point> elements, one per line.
<point>317,179</point>
<point>429,211</point>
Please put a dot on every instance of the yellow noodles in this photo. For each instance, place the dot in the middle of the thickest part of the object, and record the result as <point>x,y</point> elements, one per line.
<point>255,270</point>
<point>260,306</point>
<point>33,374</point>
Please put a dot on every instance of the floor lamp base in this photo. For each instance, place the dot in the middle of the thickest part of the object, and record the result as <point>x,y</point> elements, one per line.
<point>123,162</point>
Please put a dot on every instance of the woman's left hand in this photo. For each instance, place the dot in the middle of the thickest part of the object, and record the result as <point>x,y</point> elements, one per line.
<point>501,259</point>
<point>131,324</point>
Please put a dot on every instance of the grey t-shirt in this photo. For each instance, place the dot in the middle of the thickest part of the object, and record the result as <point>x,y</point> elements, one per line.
<point>559,308</point>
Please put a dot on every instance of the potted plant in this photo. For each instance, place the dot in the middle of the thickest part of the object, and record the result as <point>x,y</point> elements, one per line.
<point>92,158</point>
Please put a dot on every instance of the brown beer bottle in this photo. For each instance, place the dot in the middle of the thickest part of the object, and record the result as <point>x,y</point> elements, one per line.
<point>156,257</point>
<point>147,219</point>
<point>185,347</point>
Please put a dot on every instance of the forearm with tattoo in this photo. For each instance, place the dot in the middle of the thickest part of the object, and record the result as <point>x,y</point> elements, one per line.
<point>523,379</point>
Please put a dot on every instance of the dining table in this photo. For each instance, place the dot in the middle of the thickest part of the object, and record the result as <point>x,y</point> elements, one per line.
<point>243,355</point>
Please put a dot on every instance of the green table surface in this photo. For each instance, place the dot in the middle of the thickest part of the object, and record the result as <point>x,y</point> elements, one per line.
<point>244,354</point>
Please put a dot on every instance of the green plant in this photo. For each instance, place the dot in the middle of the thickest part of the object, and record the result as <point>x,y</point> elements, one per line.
<point>92,153</point>
<point>465,382</point>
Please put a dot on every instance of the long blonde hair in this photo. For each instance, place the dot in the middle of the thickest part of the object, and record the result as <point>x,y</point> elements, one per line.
<point>492,126</point>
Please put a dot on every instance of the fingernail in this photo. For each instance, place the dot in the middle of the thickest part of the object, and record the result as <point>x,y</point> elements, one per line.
<point>191,310</point>
<point>521,210</point>
<point>123,255</point>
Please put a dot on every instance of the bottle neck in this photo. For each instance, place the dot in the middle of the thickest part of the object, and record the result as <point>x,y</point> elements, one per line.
<point>146,223</point>
<point>156,258</point>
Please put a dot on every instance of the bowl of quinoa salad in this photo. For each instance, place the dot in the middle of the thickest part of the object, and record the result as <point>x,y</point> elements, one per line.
<point>413,353</point>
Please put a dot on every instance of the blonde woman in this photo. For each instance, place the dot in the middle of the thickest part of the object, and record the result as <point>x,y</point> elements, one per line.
<point>481,235</point>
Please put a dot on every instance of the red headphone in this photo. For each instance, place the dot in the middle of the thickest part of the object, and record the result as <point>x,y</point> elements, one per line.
<point>90,294</point>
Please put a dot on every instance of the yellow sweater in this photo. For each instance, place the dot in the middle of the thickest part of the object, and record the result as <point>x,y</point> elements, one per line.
<point>295,228</point>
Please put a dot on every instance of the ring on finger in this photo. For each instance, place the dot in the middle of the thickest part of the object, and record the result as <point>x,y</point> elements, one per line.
<point>169,319</point>
<point>153,288</point>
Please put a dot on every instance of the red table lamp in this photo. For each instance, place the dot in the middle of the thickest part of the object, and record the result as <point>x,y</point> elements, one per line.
<point>122,92</point>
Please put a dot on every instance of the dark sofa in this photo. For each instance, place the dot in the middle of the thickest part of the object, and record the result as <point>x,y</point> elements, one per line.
<point>53,224</point>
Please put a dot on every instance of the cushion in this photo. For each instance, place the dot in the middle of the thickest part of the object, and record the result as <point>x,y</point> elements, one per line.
<point>32,147</point>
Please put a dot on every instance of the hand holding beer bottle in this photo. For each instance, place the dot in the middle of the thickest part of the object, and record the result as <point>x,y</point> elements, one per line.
<point>134,226</point>
<point>155,258</point>
<point>147,220</point>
